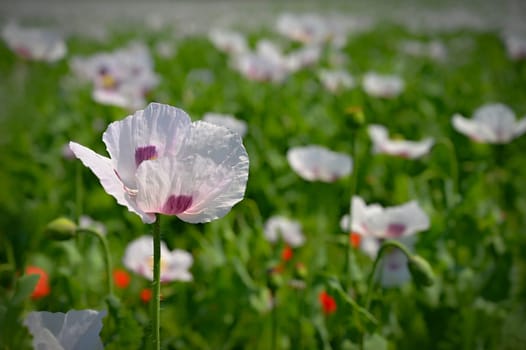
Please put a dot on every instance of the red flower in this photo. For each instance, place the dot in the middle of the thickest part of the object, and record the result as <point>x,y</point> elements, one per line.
<point>328,304</point>
<point>121,278</point>
<point>287,253</point>
<point>42,287</point>
<point>146,295</point>
<point>355,238</point>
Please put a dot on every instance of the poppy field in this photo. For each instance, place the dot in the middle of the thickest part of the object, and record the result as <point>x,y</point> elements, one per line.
<point>315,183</point>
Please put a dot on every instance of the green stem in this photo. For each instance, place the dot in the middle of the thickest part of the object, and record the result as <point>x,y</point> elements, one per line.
<point>274,323</point>
<point>107,255</point>
<point>453,167</point>
<point>383,249</point>
<point>352,190</point>
<point>156,285</point>
<point>78,191</point>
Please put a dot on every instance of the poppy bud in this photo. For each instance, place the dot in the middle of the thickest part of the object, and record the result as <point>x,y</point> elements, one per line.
<point>357,117</point>
<point>421,271</point>
<point>61,229</point>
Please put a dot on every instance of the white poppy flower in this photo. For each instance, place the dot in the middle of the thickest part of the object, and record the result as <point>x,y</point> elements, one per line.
<point>394,271</point>
<point>74,330</point>
<point>515,47</point>
<point>336,80</point>
<point>88,223</point>
<point>393,268</point>
<point>317,163</point>
<point>392,222</point>
<point>433,49</point>
<point>304,57</point>
<point>289,230</point>
<point>260,68</point>
<point>228,41</point>
<point>307,29</point>
<point>165,49</point>
<point>163,163</point>
<point>386,86</point>
<point>228,121</point>
<point>491,123</point>
<point>401,148</point>
<point>34,44</point>
<point>120,78</point>
<point>174,264</point>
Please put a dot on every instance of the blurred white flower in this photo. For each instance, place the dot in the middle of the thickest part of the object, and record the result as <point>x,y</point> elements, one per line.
<point>386,86</point>
<point>120,78</point>
<point>260,68</point>
<point>74,330</point>
<point>87,222</point>
<point>491,123</point>
<point>393,267</point>
<point>317,163</point>
<point>175,264</point>
<point>387,223</point>
<point>228,121</point>
<point>401,148</point>
<point>393,270</point>
<point>228,41</point>
<point>306,28</point>
<point>336,80</point>
<point>165,49</point>
<point>34,44</point>
<point>434,49</point>
<point>288,230</point>
<point>303,57</point>
<point>515,47</point>
<point>163,163</point>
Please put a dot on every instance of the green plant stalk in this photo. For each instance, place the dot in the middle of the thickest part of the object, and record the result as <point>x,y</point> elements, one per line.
<point>274,320</point>
<point>156,285</point>
<point>107,255</point>
<point>352,190</point>
<point>383,249</point>
<point>78,191</point>
<point>453,163</point>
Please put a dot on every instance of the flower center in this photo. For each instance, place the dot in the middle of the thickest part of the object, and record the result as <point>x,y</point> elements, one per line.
<point>176,204</point>
<point>395,230</point>
<point>162,264</point>
<point>145,153</point>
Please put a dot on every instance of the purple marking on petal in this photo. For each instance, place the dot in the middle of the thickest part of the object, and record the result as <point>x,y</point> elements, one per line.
<point>395,230</point>
<point>393,266</point>
<point>176,204</point>
<point>145,153</point>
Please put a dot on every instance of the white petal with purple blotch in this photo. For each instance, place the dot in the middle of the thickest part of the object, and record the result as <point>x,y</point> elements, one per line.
<point>203,182</point>
<point>158,128</point>
<point>102,167</point>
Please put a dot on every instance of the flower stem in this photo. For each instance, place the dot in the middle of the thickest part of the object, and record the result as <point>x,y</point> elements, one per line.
<point>78,191</point>
<point>383,249</point>
<point>107,255</point>
<point>453,168</point>
<point>274,320</point>
<point>352,190</point>
<point>156,285</point>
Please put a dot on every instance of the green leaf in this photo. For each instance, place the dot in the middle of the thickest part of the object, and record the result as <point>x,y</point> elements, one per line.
<point>335,284</point>
<point>25,286</point>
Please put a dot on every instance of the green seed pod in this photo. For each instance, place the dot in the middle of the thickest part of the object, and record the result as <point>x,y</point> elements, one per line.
<point>421,271</point>
<point>61,229</point>
<point>356,115</point>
